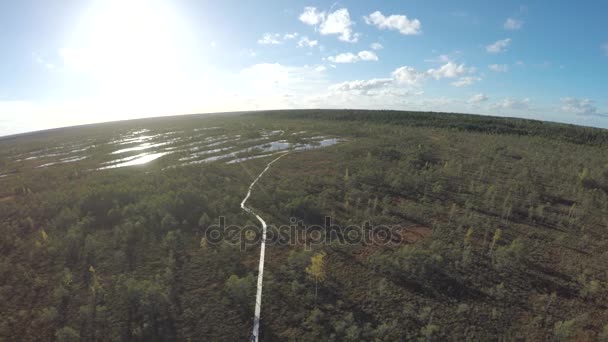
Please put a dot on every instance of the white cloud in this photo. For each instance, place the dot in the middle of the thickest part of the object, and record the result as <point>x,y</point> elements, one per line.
<point>347,57</point>
<point>312,16</point>
<point>409,76</point>
<point>412,77</point>
<point>399,23</point>
<point>449,70</point>
<point>513,24</point>
<point>583,107</point>
<point>350,57</point>
<point>270,39</point>
<point>366,55</point>
<point>372,93</point>
<point>499,46</point>
<point>512,103</point>
<point>498,67</point>
<point>382,93</point>
<point>305,42</point>
<point>321,68</point>
<point>277,38</point>
<point>363,86</point>
<point>400,83</point>
<point>478,98</point>
<point>337,22</point>
<point>465,81</point>
<point>376,46</point>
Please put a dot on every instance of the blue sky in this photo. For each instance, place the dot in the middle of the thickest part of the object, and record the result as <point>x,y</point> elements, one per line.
<point>73,61</point>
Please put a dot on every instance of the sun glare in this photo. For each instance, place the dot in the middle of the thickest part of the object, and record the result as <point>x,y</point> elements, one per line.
<point>135,46</point>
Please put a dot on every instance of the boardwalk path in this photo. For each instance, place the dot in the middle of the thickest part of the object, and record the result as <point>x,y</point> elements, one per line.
<point>258,296</point>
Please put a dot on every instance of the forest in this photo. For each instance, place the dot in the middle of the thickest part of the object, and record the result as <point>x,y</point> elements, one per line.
<point>502,221</point>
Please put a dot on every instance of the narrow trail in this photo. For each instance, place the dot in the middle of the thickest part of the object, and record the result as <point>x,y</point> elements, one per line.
<point>258,296</point>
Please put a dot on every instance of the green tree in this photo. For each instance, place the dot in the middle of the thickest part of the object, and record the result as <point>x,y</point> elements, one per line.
<point>316,269</point>
<point>509,256</point>
<point>241,290</point>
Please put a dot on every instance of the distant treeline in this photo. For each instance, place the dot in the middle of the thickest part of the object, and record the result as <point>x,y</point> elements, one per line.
<point>462,122</point>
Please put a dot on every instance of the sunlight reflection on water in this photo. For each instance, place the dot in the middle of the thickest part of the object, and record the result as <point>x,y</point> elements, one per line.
<point>136,160</point>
